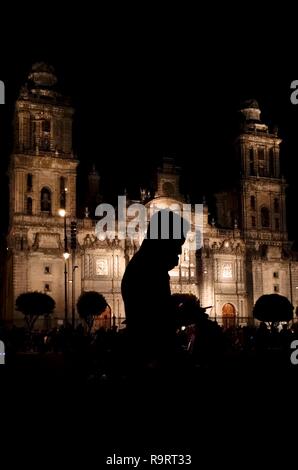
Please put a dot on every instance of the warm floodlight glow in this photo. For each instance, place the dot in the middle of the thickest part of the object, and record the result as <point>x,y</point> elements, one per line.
<point>62,212</point>
<point>66,255</point>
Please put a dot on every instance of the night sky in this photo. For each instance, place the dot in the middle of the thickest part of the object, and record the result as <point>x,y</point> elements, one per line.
<point>147,79</point>
<point>148,83</point>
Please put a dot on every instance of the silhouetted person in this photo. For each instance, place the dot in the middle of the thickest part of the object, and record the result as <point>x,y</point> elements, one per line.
<point>150,319</point>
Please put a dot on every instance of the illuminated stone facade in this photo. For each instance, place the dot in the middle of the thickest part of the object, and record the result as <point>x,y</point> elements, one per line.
<point>249,255</point>
<point>245,253</point>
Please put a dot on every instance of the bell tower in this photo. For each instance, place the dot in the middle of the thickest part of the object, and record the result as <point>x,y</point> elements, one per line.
<point>42,180</point>
<point>42,164</point>
<point>168,179</point>
<point>262,189</point>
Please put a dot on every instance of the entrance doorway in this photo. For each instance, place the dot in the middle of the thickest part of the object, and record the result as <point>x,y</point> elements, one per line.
<point>228,315</point>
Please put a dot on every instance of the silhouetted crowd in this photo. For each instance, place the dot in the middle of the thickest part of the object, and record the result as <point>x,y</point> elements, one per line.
<point>108,353</point>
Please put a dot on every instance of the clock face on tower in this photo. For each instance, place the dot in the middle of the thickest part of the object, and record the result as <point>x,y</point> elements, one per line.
<point>101,267</point>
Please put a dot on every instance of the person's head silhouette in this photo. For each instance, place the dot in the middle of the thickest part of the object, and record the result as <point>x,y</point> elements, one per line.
<point>165,236</point>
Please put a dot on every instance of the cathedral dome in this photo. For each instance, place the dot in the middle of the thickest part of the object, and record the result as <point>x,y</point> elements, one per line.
<point>250,110</point>
<point>43,75</point>
<point>249,104</point>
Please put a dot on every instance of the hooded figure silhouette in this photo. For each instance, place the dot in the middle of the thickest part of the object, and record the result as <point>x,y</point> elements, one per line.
<point>150,318</point>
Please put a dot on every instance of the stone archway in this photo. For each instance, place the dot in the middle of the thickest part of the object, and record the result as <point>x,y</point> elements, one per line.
<point>228,315</point>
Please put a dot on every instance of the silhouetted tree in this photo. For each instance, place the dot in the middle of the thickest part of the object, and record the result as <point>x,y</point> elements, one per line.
<point>273,308</point>
<point>33,305</point>
<point>91,304</point>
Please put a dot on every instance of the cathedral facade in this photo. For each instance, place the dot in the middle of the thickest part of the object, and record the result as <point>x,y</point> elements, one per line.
<point>245,252</point>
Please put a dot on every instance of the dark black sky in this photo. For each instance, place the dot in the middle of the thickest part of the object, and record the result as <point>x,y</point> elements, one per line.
<point>148,82</point>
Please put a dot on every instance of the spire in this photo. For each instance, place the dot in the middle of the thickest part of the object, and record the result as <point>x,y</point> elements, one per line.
<point>168,161</point>
<point>93,196</point>
<point>93,183</point>
<point>39,127</point>
<point>43,75</point>
<point>168,178</point>
<point>41,84</point>
<point>251,117</point>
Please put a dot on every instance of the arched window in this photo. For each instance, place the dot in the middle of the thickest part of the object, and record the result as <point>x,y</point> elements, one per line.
<point>46,135</point>
<point>34,133</point>
<point>46,125</point>
<point>29,182</point>
<point>277,224</point>
<point>29,206</point>
<point>45,144</point>
<point>186,254</point>
<point>271,162</point>
<point>265,220</point>
<point>45,200</point>
<point>62,192</point>
<point>252,203</point>
<point>251,162</point>
<point>276,205</point>
<point>261,158</point>
<point>261,153</point>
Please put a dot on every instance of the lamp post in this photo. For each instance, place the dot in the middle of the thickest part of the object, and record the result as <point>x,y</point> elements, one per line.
<point>74,267</point>
<point>62,213</point>
<point>73,246</point>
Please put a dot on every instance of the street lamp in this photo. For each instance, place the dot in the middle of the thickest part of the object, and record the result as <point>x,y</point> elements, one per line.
<point>66,254</point>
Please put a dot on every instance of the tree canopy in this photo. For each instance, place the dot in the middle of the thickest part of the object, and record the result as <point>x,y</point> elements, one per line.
<point>33,305</point>
<point>91,304</point>
<point>273,308</point>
